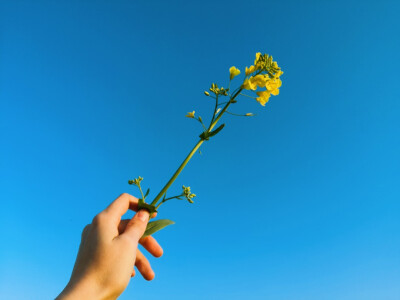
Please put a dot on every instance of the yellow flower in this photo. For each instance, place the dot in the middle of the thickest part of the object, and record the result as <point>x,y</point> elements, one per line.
<point>258,54</point>
<point>259,80</point>
<point>256,81</point>
<point>248,84</point>
<point>250,70</point>
<point>263,97</point>
<point>234,72</point>
<point>273,86</point>
<point>278,74</point>
<point>190,114</point>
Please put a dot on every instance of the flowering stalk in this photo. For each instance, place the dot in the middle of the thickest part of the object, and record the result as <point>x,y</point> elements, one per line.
<point>265,73</point>
<point>190,155</point>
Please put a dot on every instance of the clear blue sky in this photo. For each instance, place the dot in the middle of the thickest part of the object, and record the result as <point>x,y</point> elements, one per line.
<point>299,202</point>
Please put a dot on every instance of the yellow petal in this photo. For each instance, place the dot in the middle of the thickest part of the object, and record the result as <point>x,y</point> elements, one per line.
<point>233,71</point>
<point>259,80</point>
<point>278,74</point>
<point>249,70</point>
<point>190,114</point>
<point>275,92</point>
<point>249,85</point>
<point>273,85</point>
<point>263,97</point>
<point>258,54</point>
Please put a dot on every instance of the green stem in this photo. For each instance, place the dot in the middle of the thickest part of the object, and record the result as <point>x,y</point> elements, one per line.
<point>191,153</point>
<point>140,188</point>
<point>170,198</point>
<point>166,187</point>
<point>248,96</point>
<point>224,109</point>
<point>238,115</point>
<point>215,109</point>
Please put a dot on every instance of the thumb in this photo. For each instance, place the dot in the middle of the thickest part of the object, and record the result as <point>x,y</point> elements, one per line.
<point>137,225</point>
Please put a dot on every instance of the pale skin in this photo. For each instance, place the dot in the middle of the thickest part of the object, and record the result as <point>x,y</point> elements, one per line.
<point>109,251</point>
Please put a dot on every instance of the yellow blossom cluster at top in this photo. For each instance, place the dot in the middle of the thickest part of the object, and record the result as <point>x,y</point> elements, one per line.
<point>265,73</point>
<point>263,77</point>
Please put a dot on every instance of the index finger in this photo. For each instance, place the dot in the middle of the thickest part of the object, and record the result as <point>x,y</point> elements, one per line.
<point>121,205</point>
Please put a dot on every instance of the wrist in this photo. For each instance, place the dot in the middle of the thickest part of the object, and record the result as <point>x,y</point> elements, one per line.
<point>84,289</point>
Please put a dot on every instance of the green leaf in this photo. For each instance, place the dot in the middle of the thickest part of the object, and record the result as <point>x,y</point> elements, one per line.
<point>206,135</point>
<point>212,133</point>
<point>148,191</point>
<point>155,226</point>
<point>150,208</point>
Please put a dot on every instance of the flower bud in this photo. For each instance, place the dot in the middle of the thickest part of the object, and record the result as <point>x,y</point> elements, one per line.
<point>190,115</point>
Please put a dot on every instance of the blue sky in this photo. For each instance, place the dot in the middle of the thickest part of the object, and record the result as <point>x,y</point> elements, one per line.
<point>299,202</point>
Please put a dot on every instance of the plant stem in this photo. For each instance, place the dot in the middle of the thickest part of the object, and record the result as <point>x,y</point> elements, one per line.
<point>224,109</point>
<point>215,109</point>
<point>165,200</point>
<point>191,153</point>
<point>140,188</point>
<point>166,187</point>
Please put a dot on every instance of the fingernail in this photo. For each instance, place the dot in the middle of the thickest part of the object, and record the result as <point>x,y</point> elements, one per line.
<point>143,215</point>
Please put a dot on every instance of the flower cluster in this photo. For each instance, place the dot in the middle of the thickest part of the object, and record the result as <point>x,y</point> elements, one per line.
<point>265,73</point>
<point>187,193</point>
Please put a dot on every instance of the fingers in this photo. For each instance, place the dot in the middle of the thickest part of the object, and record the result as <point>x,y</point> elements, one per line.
<point>151,245</point>
<point>136,226</point>
<point>122,224</point>
<point>120,206</point>
<point>143,265</point>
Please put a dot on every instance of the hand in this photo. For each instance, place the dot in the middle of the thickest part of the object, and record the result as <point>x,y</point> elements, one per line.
<point>108,253</point>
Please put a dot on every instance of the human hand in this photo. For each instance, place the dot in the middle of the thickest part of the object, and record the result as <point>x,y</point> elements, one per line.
<point>108,253</point>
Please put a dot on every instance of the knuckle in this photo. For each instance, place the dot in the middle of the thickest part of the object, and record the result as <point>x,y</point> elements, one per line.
<point>100,218</point>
